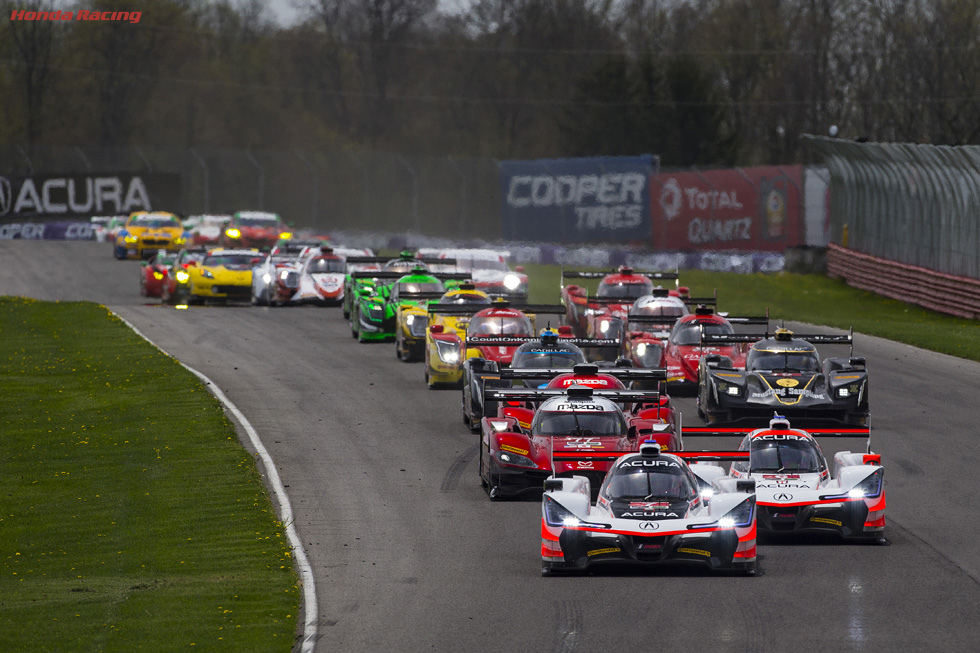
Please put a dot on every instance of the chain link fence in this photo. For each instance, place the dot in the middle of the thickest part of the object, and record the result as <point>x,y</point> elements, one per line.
<point>456,197</point>
<point>912,204</point>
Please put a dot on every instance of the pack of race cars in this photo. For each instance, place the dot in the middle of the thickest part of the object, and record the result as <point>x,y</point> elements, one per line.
<point>579,413</point>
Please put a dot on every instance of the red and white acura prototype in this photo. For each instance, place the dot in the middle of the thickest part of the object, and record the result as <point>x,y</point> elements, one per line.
<point>652,508</point>
<point>797,490</point>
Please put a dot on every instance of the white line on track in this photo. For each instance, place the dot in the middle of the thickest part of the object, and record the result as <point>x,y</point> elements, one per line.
<point>285,509</point>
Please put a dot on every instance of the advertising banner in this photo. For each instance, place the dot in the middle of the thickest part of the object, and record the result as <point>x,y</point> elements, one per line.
<point>746,209</point>
<point>81,196</point>
<point>587,200</point>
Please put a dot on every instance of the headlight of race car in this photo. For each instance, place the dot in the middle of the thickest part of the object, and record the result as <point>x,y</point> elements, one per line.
<point>512,282</point>
<point>741,515</point>
<point>376,311</point>
<point>158,276</point>
<point>131,239</point>
<point>514,459</point>
<point>869,487</point>
<point>558,515</point>
<point>416,325</point>
<point>649,354</point>
<point>267,278</point>
<point>728,389</point>
<point>448,352</point>
<point>603,325</point>
<point>179,240</point>
<point>233,233</point>
<point>207,274</point>
<point>182,276</point>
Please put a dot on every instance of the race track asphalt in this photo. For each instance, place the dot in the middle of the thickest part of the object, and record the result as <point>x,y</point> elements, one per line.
<point>409,554</point>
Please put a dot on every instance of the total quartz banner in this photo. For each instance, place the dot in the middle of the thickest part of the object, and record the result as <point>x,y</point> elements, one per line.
<point>743,209</point>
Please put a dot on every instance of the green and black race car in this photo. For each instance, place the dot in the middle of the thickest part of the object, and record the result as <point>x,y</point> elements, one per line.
<point>376,304</point>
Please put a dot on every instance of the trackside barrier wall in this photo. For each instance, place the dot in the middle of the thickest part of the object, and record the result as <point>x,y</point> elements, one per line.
<point>934,290</point>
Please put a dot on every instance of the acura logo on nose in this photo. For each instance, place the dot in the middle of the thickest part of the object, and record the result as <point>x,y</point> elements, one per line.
<point>6,196</point>
<point>649,526</point>
<point>782,496</point>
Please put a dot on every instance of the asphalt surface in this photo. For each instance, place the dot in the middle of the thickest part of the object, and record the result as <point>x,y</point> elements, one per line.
<point>409,553</point>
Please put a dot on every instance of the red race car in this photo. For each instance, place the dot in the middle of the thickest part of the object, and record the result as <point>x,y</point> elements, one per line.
<point>154,272</point>
<point>603,315</point>
<point>177,282</point>
<point>577,430</point>
<point>684,349</point>
<point>255,229</point>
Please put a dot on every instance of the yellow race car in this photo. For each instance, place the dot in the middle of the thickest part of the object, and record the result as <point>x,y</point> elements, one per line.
<point>447,322</point>
<point>145,233</point>
<point>224,274</point>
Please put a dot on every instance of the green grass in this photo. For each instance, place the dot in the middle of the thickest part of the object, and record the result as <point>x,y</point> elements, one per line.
<point>810,298</point>
<point>132,518</point>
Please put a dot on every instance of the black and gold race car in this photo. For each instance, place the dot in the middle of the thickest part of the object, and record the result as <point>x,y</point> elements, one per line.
<point>783,373</point>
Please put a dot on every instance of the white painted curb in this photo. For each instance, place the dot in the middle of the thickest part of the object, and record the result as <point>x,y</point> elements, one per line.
<point>285,509</point>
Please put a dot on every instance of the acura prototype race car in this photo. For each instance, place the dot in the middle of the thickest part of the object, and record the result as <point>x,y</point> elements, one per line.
<point>796,489</point>
<point>652,508</point>
<point>576,430</point>
<point>782,373</point>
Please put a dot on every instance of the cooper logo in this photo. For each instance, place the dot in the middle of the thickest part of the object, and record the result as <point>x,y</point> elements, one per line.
<point>649,526</point>
<point>782,496</point>
<point>6,196</point>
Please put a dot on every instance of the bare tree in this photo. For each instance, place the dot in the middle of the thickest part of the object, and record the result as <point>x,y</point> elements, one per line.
<point>33,46</point>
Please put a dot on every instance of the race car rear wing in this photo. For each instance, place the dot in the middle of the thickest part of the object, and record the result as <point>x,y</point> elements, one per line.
<point>377,274</point>
<point>419,296</point>
<point>528,394</point>
<point>863,432</point>
<point>812,338</point>
<point>516,341</point>
<point>577,274</point>
<point>450,276</point>
<point>624,374</point>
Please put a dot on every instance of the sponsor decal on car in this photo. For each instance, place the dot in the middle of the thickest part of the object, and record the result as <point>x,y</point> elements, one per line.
<point>596,552</point>
<point>650,514</point>
<point>788,383</point>
<point>825,520</point>
<point>572,407</point>
<point>648,505</point>
<point>507,447</point>
<point>699,552</point>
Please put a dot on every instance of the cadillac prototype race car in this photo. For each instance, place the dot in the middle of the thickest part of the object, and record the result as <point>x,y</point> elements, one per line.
<point>146,233</point>
<point>652,508</point>
<point>574,430</point>
<point>796,489</point>
<point>223,275</point>
<point>488,355</point>
<point>782,373</point>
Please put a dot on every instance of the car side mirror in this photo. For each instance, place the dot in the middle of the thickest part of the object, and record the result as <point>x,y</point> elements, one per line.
<point>436,328</point>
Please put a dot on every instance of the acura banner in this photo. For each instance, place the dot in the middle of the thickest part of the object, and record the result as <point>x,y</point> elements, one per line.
<point>80,196</point>
<point>598,199</point>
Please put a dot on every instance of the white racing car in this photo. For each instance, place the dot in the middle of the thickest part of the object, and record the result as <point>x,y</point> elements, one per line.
<point>652,508</point>
<point>487,267</point>
<point>797,490</point>
<point>321,277</point>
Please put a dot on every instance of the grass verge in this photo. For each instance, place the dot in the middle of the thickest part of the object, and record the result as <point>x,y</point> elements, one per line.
<point>132,518</point>
<point>811,298</point>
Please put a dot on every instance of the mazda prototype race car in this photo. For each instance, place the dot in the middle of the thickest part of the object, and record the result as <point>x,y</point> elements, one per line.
<point>782,373</point>
<point>146,233</point>
<point>796,489</point>
<point>652,508</point>
<point>223,275</point>
<point>575,430</point>
<point>256,229</point>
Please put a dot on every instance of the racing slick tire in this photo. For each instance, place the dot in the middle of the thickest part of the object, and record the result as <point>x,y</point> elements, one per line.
<point>165,296</point>
<point>360,332</point>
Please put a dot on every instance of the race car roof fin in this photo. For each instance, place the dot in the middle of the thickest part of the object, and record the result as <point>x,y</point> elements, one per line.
<point>579,392</point>
<point>585,369</point>
<point>779,422</point>
<point>650,449</point>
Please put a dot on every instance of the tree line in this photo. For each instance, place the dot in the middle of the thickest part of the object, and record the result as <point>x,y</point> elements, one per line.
<point>699,82</point>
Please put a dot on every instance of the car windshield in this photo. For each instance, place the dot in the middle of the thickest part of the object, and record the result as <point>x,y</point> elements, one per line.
<point>320,265</point>
<point>420,287</point>
<point>238,261</point>
<point>257,220</point>
<point>689,333</point>
<point>579,422</point>
<point>798,456</point>
<point>650,483</point>
<point>803,361</point>
<point>186,257</point>
<point>625,290</point>
<point>155,221</point>
<point>504,324</point>
<point>547,358</point>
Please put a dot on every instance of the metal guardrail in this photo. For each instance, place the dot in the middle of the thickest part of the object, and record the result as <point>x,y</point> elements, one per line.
<point>938,291</point>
